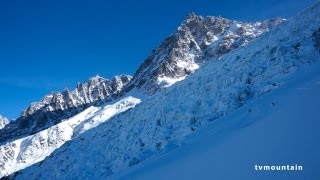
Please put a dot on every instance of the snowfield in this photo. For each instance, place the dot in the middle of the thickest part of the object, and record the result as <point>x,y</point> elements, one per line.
<point>24,152</point>
<point>279,128</point>
<point>233,95</point>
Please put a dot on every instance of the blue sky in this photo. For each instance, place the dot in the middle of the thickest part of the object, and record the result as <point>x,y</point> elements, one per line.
<point>47,46</point>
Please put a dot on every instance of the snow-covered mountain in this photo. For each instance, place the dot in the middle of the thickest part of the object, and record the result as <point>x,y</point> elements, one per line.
<point>3,121</point>
<point>196,40</point>
<point>56,107</point>
<point>225,82</point>
<point>175,59</point>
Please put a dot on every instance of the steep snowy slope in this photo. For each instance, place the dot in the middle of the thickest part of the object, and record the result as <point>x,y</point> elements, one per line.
<point>3,121</point>
<point>53,108</point>
<point>281,128</point>
<point>162,121</point>
<point>26,151</point>
<point>214,36</point>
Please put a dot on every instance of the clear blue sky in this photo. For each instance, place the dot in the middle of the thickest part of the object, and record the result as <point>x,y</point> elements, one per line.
<point>47,46</point>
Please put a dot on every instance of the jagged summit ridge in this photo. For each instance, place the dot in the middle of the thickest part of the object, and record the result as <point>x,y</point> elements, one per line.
<point>97,88</point>
<point>197,39</point>
<point>55,107</point>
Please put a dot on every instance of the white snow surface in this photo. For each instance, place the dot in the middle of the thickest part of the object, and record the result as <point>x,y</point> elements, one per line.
<point>24,152</point>
<point>167,82</point>
<point>280,128</point>
<point>162,122</point>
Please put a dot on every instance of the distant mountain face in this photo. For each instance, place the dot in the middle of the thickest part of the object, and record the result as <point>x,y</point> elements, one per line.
<point>53,108</point>
<point>3,121</point>
<point>195,41</point>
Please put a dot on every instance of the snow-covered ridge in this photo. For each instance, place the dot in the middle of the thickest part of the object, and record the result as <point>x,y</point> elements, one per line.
<point>166,118</point>
<point>55,107</point>
<point>195,41</point>
<point>3,121</point>
<point>26,151</point>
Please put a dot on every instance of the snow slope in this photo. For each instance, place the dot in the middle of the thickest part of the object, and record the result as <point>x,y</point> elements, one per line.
<point>281,128</point>
<point>164,120</point>
<point>56,107</point>
<point>26,151</point>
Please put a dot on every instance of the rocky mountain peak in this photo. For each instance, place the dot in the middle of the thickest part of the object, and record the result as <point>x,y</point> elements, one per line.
<point>3,121</point>
<point>96,79</point>
<point>196,40</point>
<point>192,17</point>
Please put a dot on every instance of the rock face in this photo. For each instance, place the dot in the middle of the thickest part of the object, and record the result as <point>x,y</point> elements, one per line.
<point>3,121</point>
<point>53,108</point>
<point>97,88</point>
<point>195,41</point>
